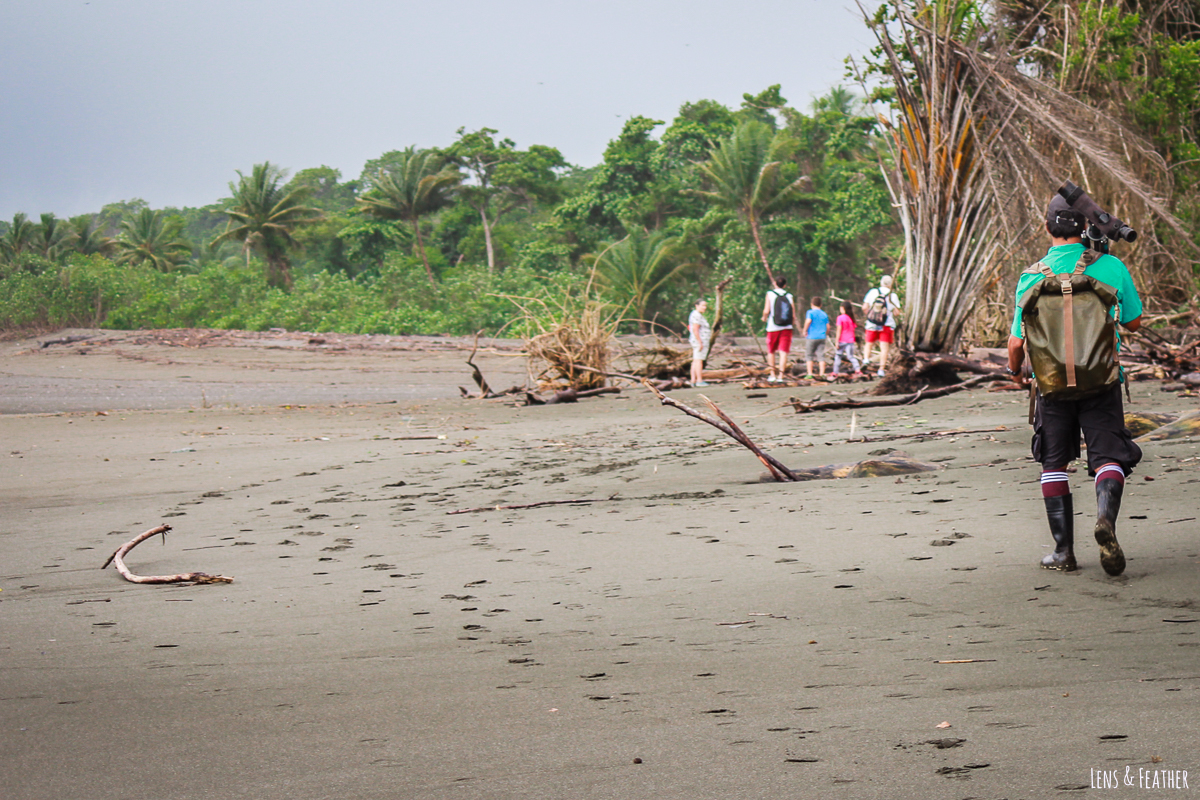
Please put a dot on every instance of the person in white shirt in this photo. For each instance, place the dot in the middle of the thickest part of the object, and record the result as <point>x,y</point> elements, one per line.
<point>699,335</point>
<point>779,331</point>
<point>883,332</point>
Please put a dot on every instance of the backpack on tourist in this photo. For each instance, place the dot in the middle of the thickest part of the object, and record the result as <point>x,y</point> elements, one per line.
<point>877,314</point>
<point>781,311</point>
<point>1070,332</point>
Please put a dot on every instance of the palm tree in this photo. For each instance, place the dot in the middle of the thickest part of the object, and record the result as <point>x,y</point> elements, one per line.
<point>148,238</point>
<point>89,238</point>
<point>976,145</point>
<point>634,270</point>
<point>18,238</point>
<point>52,237</point>
<point>263,217</point>
<point>745,170</point>
<point>414,185</point>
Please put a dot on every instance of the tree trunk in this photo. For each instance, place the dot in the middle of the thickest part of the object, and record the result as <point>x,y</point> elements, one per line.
<point>762,254</point>
<point>421,250</point>
<point>279,273</point>
<point>487,240</point>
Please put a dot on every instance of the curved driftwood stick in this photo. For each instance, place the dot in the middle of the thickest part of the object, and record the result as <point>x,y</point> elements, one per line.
<point>725,425</point>
<point>183,577</point>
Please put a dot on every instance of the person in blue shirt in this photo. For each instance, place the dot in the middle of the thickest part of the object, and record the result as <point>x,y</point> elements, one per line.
<point>816,329</point>
<point>1111,451</point>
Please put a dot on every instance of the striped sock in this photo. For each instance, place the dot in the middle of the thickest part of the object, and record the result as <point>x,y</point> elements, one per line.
<point>1055,484</point>
<point>1110,472</point>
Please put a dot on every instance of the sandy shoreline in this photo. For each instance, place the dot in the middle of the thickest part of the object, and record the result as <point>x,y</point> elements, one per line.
<point>741,639</point>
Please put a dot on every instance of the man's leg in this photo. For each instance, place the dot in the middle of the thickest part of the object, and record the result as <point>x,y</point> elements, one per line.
<point>1055,445</point>
<point>771,363</point>
<point>1112,454</point>
<point>783,365</point>
<point>884,347</point>
<point>1060,513</point>
<point>1110,484</point>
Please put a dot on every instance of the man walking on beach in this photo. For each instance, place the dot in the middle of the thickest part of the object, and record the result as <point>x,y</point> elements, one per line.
<point>880,306</point>
<point>1111,452</point>
<point>779,312</point>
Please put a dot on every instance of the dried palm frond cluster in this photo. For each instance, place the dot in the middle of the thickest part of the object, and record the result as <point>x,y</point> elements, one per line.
<point>978,143</point>
<point>568,341</point>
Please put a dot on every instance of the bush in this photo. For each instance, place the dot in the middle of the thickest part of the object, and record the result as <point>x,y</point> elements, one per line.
<point>92,291</point>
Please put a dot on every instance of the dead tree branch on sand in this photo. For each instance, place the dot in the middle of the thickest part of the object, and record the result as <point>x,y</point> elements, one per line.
<point>718,317</point>
<point>183,577</point>
<point>534,505</point>
<point>568,395</point>
<point>902,400</point>
<point>480,381</point>
<point>727,426</point>
<point>485,391</point>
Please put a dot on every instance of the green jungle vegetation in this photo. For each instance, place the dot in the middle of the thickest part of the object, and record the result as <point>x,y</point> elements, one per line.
<point>458,237</point>
<point>438,240</point>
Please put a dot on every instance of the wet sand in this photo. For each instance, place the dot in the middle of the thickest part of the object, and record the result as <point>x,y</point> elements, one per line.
<point>693,633</point>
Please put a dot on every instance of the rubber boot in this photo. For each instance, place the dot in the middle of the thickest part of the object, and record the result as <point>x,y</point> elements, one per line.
<point>1108,505</point>
<point>1060,512</point>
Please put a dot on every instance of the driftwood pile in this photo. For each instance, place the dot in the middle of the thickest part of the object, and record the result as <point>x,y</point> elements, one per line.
<point>1171,355</point>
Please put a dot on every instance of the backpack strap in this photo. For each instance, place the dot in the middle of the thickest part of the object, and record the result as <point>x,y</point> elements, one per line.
<point>1068,326</point>
<point>1085,260</point>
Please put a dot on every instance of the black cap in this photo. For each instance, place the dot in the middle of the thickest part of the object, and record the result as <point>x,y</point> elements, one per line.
<point>1060,214</point>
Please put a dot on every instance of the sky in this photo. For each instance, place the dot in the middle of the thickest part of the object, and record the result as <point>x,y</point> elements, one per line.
<point>164,100</point>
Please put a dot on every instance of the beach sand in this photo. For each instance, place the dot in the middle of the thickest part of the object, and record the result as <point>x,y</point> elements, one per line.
<point>693,632</point>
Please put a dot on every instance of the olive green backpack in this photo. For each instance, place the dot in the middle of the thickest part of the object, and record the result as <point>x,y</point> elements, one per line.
<point>1070,331</point>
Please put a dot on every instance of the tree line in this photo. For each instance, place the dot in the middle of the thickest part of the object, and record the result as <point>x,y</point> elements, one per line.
<point>431,240</point>
<point>974,112</point>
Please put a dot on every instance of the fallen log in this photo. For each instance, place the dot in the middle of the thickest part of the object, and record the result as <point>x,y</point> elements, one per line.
<point>901,400</point>
<point>191,578</point>
<point>908,371</point>
<point>959,363</point>
<point>568,395</point>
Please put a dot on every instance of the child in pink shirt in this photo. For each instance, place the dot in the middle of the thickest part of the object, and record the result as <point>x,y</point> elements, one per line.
<point>845,341</point>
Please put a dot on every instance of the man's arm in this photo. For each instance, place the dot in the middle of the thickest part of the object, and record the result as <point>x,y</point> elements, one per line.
<point>1016,359</point>
<point>1133,324</point>
<point>766,308</point>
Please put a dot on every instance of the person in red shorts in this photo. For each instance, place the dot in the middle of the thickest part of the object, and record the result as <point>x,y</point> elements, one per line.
<point>779,312</point>
<point>885,332</point>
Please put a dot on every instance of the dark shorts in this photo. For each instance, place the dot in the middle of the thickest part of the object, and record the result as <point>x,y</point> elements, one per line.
<point>814,349</point>
<point>1101,419</point>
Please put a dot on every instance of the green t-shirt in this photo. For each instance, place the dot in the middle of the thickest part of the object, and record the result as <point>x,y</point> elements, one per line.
<point>1107,269</point>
